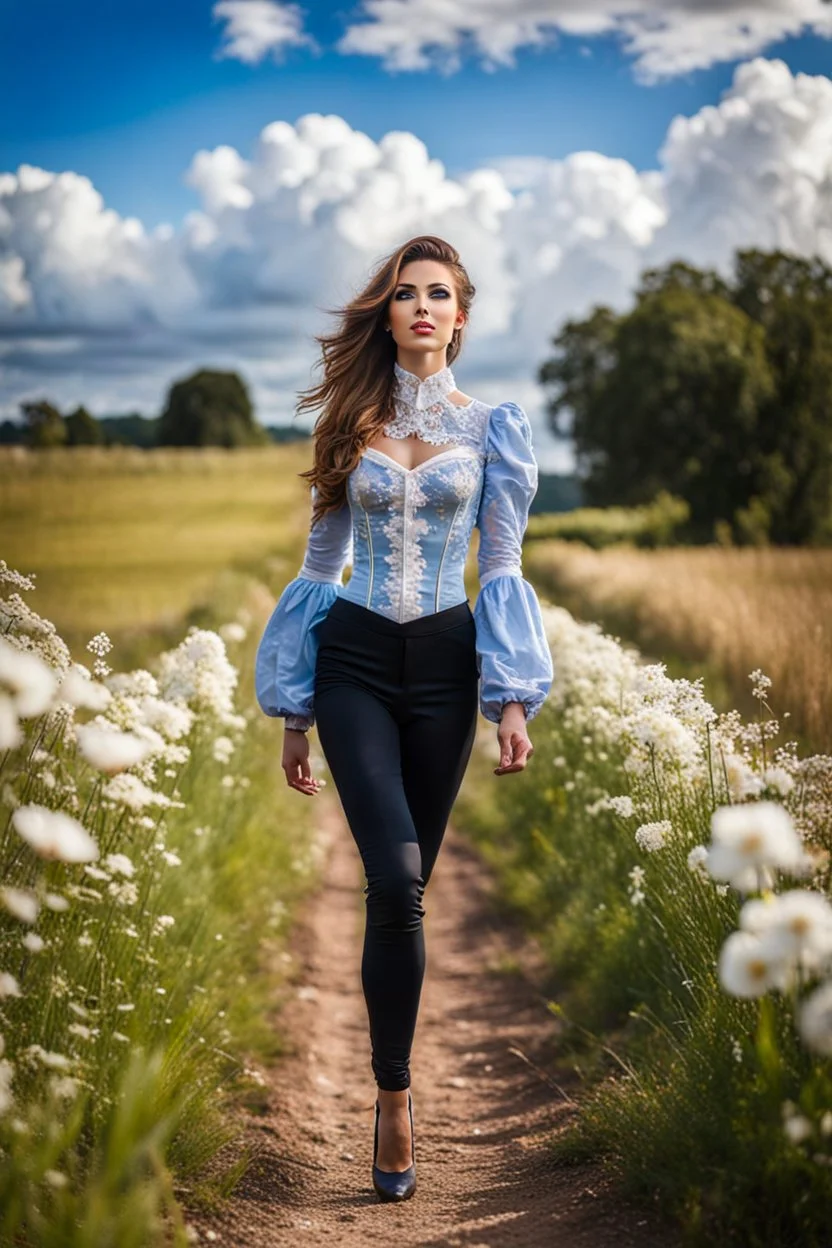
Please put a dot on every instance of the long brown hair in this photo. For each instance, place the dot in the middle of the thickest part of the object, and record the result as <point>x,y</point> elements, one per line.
<point>356,393</point>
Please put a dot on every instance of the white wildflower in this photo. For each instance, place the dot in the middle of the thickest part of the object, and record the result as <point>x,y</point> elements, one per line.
<point>128,790</point>
<point>11,734</point>
<point>779,779</point>
<point>223,749</point>
<point>64,1087</point>
<point>125,893</point>
<point>9,987</point>
<point>815,1019</point>
<point>21,903</point>
<point>748,968</point>
<point>232,631</point>
<point>110,750</point>
<point>54,901</point>
<point>53,1061</point>
<point>120,864</point>
<point>54,834</point>
<point>636,894</point>
<point>797,923</point>
<point>27,680</point>
<point>653,836</point>
<point>742,781</point>
<point>749,840</point>
<point>658,728</point>
<point>198,674</point>
<point>796,1125</point>
<point>697,861</point>
<point>80,690</point>
<point>6,1076</point>
<point>761,683</point>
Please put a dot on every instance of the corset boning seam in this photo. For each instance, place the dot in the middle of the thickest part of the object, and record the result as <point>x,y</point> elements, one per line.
<point>405,522</point>
<point>459,507</point>
<point>369,597</point>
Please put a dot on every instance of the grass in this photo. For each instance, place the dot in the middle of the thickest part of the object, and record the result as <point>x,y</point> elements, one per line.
<point>720,612</point>
<point>132,539</point>
<point>685,1084</point>
<point>147,1109</point>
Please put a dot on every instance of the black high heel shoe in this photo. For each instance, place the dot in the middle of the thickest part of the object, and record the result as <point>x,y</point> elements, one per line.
<point>395,1184</point>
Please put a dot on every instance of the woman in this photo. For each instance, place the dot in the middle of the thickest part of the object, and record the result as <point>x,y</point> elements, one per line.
<point>391,665</point>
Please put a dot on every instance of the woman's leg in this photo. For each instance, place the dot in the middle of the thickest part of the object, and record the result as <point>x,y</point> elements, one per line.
<point>359,736</point>
<point>437,728</point>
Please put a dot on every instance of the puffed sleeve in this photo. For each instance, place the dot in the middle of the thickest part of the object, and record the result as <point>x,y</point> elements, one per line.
<point>513,655</point>
<point>284,667</point>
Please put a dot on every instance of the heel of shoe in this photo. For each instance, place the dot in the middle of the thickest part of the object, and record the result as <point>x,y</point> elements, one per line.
<point>395,1184</point>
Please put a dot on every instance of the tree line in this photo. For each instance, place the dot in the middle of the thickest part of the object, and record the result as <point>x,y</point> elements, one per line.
<point>209,408</point>
<point>714,391</point>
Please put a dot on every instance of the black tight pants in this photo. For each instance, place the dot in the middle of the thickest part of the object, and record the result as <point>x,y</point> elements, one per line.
<point>396,709</point>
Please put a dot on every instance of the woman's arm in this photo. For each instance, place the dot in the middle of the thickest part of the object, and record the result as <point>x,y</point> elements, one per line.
<point>513,654</point>
<point>285,661</point>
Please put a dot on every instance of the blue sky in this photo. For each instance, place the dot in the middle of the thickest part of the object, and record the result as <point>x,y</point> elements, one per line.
<point>141,88</point>
<point>654,130</point>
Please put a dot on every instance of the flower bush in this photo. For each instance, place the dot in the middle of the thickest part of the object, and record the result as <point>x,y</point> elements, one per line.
<point>140,867</point>
<point>675,864</point>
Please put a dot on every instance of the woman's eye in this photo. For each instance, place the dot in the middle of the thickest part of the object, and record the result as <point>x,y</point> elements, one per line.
<point>406,293</point>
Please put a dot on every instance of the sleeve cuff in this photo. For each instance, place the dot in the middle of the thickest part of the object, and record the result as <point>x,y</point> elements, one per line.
<point>284,667</point>
<point>513,654</point>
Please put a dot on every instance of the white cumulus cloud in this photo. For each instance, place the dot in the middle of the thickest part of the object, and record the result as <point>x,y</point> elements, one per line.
<point>256,28</point>
<point>95,309</point>
<point>664,37</point>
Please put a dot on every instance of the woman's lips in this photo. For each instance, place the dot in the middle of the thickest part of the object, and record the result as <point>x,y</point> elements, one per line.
<point>423,329</point>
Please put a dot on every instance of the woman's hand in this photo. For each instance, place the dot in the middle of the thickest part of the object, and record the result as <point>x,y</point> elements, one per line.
<point>296,763</point>
<point>515,747</point>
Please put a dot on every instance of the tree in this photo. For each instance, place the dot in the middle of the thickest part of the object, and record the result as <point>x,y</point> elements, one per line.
<point>45,424</point>
<point>791,298</point>
<point>83,429</point>
<point>719,392</point>
<point>210,409</point>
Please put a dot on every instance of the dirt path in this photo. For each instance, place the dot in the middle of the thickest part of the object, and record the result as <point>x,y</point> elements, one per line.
<point>484,1068</point>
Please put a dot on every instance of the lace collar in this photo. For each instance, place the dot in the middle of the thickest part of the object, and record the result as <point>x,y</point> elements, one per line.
<point>421,394</point>
<point>423,408</point>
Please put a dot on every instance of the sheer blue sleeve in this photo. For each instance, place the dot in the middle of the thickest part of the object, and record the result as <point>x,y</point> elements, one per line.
<point>284,667</point>
<point>513,655</point>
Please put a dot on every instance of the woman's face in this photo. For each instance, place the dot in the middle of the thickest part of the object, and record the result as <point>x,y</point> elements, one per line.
<point>425,292</point>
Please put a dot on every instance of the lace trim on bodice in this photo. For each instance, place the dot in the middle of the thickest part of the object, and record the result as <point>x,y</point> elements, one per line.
<point>423,409</point>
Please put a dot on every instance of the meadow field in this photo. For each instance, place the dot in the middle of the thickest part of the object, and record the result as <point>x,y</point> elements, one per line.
<point>129,540</point>
<point>716,610</point>
<point>152,856</point>
<point>671,858</point>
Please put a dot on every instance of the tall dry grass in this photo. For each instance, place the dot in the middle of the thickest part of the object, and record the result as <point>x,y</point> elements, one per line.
<point>737,609</point>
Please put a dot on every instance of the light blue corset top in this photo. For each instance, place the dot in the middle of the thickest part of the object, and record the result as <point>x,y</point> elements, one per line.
<point>406,534</point>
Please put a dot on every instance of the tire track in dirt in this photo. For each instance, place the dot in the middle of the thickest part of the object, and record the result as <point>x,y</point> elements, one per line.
<point>488,1089</point>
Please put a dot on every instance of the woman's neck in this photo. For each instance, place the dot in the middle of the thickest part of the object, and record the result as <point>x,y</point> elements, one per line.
<point>422,364</point>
